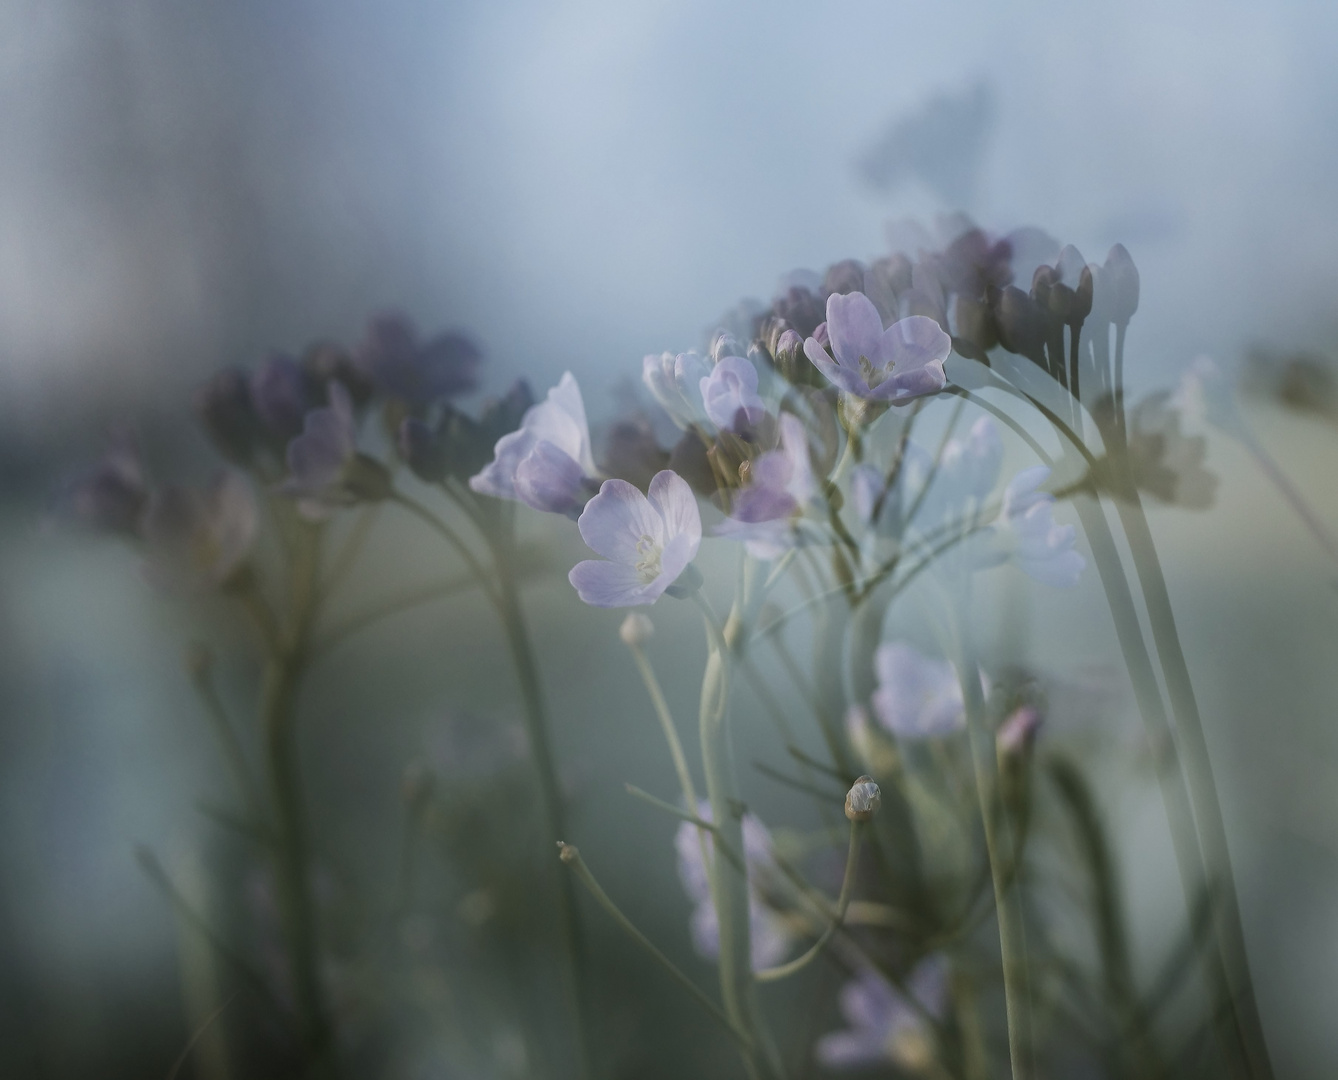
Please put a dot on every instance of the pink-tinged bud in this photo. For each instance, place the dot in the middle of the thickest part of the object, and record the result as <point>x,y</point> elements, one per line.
<point>1018,732</point>
<point>636,630</point>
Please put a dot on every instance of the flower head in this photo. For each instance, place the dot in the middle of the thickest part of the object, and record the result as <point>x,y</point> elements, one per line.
<point>917,697</point>
<point>676,383</point>
<point>729,395</point>
<point>419,372</point>
<point>884,1026</point>
<point>904,361</point>
<point>781,485</point>
<point>547,463</point>
<point>647,541</point>
<point>199,539</point>
<point>1042,549</point>
<point>863,799</point>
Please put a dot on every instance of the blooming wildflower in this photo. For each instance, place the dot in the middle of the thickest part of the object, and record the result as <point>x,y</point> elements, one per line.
<point>647,542</point>
<point>199,539</point>
<point>325,469</point>
<point>894,365</point>
<point>418,372</point>
<point>917,697</point>
<point>547,463</point>
<point>1042,549</point>
<point>764,513</point>
<point>676,383</point>
<point>111,496</point>
<point>729,395</point>
<point>884,1026</point>
<point>770,937</point>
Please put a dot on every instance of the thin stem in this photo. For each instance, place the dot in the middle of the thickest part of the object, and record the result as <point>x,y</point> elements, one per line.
<point>774,974</point>
<point>350,549</point>
<point>451,537</point>
<point>667,725</point>
<point>203,682</point>
<point>395,604</point>
<point>572,857</point>
<point>1294,498</point>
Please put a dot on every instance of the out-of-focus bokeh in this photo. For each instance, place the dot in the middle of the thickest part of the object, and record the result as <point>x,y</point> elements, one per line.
<point>184,187</point>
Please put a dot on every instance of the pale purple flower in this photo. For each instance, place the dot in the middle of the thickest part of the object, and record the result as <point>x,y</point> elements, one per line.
<point>546,463</point>
<point>647,541</point>
<point>1042,549</point>
<point>770,939</point>
<point>199,539</point>
<point>676,383</point>
<point>280,395</point>
<point>917,697</point>
<point>325,470</point>
<point>883,1026</point>
<point>904,361</point>
<point>111,496</point>
<point>968,469</point>
<point>729,395</point>
<point>781,485</point>
<point>416,371</point>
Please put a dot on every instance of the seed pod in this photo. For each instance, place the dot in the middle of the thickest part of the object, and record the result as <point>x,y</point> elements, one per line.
<point>863,799</point>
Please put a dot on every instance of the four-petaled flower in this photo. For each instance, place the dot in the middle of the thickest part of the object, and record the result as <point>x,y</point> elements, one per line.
<point>904,361</point>
<point>325,469</point>
<point>729,394</point>
<point>547,463</point>
<point>647,541</point>
<point>764,514</point>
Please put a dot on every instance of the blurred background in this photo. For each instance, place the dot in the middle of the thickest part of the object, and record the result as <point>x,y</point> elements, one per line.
<point>576,185</point>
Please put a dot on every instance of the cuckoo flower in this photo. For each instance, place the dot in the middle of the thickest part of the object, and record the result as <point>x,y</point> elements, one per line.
<point>729,394</point>
<point>547,463</point>
<point>917,697</point>
<point>418,372</point>
<point>904,361</point>
<point>770,938</point>
<point>676,383</point>
<point>1042,549</point>
<point>781,485</point>
<point>199,539</point>
<point>647,541</point>
<point>325,469</point>
<point>884,1026</point>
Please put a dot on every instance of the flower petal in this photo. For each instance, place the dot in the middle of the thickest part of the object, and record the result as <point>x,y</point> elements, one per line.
<point>855,327</point>
<point>841,377</point>
<point>671,496</point>
<point>614,522</point>
<point>609,584</point>
<point>549,479</point>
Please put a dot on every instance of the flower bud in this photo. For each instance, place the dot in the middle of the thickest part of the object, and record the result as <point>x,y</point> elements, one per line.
<point>723,344</point>
<point>228,415</point>
<point>975,323</point>
<point>325,362</point>
<point>801,309</point>
<point>1017,732</point>
<point>1084,294</point>
<point>636,630</point>
<point>863,799</point>
<point>1021,324</point>
<point>1122,282</point>
<point>790,359</point>
<point>847,276</point>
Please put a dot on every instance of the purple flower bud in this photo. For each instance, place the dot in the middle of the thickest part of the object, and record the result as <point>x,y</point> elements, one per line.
<point>414,371</point>
<point>844,277</point>
<point>1018,731</point>
<point>781,484</point>
<point>228,415</point>
<point>1122,280</point>
<point>324,466</point>
<point>326,362</point>
<point>112,495</point>
<point>1022,325</point>
<point>801,308</point>
<point>280,395</point>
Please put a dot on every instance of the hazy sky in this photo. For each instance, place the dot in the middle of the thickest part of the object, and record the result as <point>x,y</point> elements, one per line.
<point>581,183</point>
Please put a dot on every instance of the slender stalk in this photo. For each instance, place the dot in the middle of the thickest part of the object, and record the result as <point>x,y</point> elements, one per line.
<point>775,974</point>
<point>572,857</point>
<point>666,719</point>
